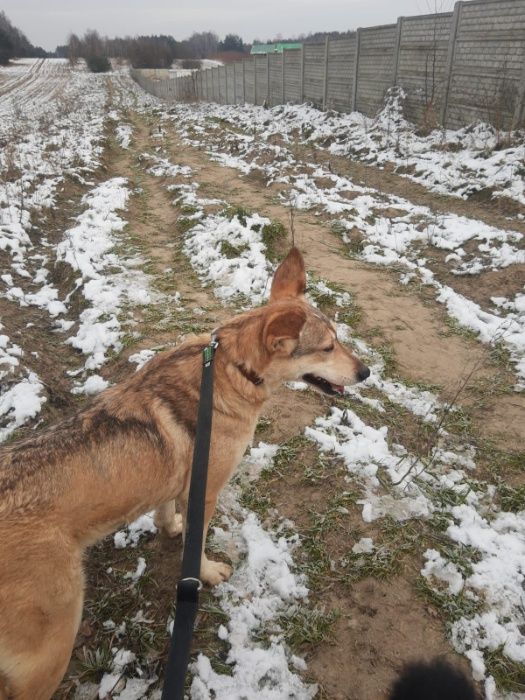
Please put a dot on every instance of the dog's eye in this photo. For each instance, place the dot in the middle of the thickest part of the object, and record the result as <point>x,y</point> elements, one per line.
<point>329,349</point>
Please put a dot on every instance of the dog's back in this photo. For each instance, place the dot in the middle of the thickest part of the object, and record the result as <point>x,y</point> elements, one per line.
<point>436,680</point>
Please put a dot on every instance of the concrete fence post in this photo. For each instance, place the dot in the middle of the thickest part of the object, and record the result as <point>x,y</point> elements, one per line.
<point>519,110</point>
<point>356,69</point>
<point>449,66</point>
<point>301,100</point>
<point>325,79</point>
<point>397,49</point>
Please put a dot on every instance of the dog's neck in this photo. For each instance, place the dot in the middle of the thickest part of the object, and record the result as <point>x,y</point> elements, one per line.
<point>250,375</point>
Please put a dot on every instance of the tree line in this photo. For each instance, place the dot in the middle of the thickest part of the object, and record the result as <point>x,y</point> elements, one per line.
<point>154,51</point>
<point>14,43</point>
<point>147,51</point>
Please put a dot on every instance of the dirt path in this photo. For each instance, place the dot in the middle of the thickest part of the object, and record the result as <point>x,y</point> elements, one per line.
<point>424,348</point>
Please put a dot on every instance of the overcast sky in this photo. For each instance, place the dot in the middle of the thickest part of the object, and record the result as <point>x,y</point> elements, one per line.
<point>49,22</point>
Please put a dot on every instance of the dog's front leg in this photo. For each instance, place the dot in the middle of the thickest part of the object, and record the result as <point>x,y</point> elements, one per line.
<point>212,572</point>
<point>167,519</point>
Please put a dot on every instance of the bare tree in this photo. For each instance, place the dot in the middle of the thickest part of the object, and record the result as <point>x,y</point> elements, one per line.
<point>73,49</point>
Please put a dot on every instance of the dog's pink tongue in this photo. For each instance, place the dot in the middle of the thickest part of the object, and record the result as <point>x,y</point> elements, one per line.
<point>339,388</point>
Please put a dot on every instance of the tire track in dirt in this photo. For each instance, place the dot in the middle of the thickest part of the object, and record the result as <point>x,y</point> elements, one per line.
<point>425,349</point>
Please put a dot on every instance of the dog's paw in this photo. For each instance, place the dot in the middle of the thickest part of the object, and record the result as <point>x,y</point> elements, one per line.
<point>214,572</point>
<point>173,527</point>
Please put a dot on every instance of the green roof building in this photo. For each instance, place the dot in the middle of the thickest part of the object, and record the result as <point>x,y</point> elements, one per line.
<point>275,48</point>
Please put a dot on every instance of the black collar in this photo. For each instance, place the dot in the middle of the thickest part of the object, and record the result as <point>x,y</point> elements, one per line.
<point>250,375</point>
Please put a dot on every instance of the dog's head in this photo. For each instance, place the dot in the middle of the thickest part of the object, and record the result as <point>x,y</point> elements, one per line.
<point>288,339</point>
<point>301,340</point>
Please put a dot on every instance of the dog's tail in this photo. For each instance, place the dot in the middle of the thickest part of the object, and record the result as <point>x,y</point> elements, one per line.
<point>435,680</point>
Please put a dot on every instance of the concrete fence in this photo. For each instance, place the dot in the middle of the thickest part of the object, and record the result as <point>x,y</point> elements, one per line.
<point>455,67</point>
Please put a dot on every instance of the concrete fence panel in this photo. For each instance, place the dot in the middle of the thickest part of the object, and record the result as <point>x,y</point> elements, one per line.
<point>222,85</point>
<point>230,84</point>
<point>215,75</point>
<point>314,73</point>
<point>249,80</point>
<point>375,66</point>
<point>292,75</point>
<point>422,62</point>
<point>487,67</point>
<point>275,64</point>
<point>209,85</point>
<point>239,82</point>
<point>261,79</point>
<point>340,73</point>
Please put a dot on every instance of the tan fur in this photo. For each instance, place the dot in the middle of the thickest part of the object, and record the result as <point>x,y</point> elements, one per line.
<point>130,451</point>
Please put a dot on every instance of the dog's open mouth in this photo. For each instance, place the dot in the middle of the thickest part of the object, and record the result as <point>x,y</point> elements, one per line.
<point>324,385</point>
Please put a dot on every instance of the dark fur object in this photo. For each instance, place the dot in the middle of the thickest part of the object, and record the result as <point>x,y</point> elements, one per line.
<point>436,680</point>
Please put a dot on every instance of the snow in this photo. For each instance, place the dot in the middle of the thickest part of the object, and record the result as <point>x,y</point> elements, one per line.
<point>121,658</point>
<point>93,385</point>
<point>19,403</point>
<point>364,546</point>
<point>106,280</point>
<point>124,133</point>
<point>228,253</point>
<point>498,578</point>
<point>392,229</point>
<point>23,397</point>
<point>247,273</point>
<point>263,586</point>
<point>444,571</point>
<point>140,358</point>
<point>134,531</point>
<point>139,571</point>
<point>245,269</point>
<point>457,163</point>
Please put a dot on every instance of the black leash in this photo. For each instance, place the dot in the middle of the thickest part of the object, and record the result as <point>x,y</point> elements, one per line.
<point>190,584</point>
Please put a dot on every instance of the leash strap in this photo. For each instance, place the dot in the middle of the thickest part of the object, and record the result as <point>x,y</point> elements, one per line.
<point>190,584</point>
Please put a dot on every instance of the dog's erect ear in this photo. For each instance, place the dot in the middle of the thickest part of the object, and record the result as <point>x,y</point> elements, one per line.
<point>290,278</point>
<point>282,331</point>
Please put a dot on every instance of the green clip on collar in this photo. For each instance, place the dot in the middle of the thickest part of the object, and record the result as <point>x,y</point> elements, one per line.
<point>209,350</point>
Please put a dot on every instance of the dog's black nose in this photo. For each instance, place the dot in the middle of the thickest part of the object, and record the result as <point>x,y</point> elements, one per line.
<point>363,373</point>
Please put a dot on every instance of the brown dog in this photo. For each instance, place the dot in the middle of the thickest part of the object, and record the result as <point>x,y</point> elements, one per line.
<point>131,451</point>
